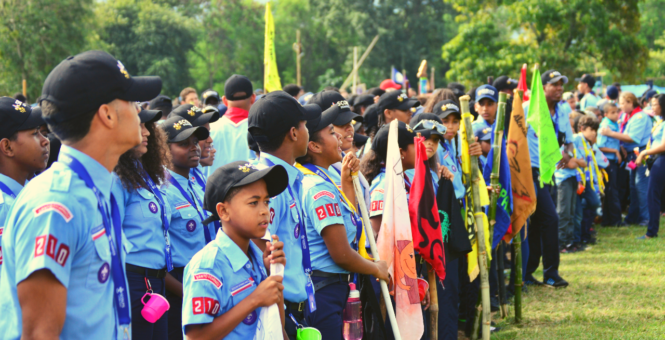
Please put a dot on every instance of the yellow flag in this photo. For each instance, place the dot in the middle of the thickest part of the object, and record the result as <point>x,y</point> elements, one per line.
<point>271,80</point>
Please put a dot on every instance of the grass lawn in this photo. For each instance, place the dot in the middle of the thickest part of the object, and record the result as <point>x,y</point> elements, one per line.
<point>617,291</point>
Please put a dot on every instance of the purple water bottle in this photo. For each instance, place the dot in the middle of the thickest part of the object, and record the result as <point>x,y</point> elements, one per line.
<point>352,317</point>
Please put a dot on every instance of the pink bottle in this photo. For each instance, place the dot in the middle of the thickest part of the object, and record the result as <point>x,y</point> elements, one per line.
<point>352,317</point>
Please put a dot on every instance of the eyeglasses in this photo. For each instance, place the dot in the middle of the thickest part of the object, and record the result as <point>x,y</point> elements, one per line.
<point>428,124</point>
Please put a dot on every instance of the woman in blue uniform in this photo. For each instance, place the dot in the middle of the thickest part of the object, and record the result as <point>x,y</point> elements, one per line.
<point>655,151</point>
<point>146,217</point>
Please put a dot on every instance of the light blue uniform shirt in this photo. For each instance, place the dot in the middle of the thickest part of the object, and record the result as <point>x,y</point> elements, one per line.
<point>6,203</point>
<point>50,226</point>
<point>639,129</point>
<point>217,279</point>
<point>563,174</point>
<point>377,192</point>
<point>202,172</point>
<point>142,225</point>
<point>323,205</point>
<point>229,138</point>
<point>656,136</point>
<point>589,100</point>
<point>186,229</point>
<point>435,180</point>
<point>561,117</point>
<point>284,223</point>
<point>480,124</point>
<point>609,142</point>
<point>450,158</point>
<point>601,159</point>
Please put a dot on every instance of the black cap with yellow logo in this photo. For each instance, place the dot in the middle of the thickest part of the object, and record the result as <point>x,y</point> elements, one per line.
<point>178,129</point>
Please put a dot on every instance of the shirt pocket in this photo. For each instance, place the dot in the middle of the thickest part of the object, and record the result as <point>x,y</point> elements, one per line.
<point>99,271</point>
<point>149,205</point>
<point>189,220</point>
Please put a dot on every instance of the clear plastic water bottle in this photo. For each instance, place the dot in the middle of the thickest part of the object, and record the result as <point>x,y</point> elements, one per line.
<point>352,317</point>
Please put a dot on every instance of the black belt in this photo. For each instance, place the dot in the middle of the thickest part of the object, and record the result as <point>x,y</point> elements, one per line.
<point>330,278</point>
<point>156,273</point>
<point>295,306</point>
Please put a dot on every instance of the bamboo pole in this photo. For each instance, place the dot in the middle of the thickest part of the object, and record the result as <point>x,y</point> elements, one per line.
<point>369,233</point>
<point>360,62</point>
<point>478,213</point>
<point>297,47</point>
<point>502,280</point>
<point>517,251</point>
<point>434,303</point>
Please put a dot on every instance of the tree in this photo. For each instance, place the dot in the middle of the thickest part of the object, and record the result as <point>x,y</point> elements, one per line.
<point>37,35</point>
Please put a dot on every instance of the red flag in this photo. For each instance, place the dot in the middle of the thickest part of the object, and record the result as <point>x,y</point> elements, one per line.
<point>521,85</point>
<point>424,213</point>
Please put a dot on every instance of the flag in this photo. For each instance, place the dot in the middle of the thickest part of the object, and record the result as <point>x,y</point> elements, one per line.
<point>397,76</point>
<point>269,323</point>
<point>521,178</point>
<point>396,244</point>
<point>504,206</point>
<point>521,85</point>
<point>424,213</point>
<point>541,122</point>
<point>271,80</point>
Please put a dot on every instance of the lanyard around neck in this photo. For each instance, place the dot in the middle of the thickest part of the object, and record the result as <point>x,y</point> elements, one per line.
<point>206,232</point>
<point>165,221</point>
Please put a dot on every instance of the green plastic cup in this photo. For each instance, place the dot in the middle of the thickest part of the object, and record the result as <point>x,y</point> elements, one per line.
<point>308,333</point>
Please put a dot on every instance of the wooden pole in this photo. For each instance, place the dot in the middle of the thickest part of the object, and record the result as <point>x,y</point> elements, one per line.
<point>432,86</point>
<point>434,303</point>
<point>297,47</point>
<point>517,251</point>
<point>355,70</point>
<point>25,89</point>
<point>502,279</point>
<point>478,213</point>
<point>360,62</point>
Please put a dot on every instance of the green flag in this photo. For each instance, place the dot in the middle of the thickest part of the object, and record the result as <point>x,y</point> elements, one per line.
<point>541,121</point>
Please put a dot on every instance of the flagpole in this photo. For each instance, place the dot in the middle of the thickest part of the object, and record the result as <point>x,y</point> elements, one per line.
<point>517,250</point>
<point>478,213</point>
<point>369,233</point>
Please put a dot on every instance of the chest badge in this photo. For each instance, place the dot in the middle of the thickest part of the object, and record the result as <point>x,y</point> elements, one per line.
<point>153,207</point>
<point>103,273</point>
<point>251,318</point>
<point>191,225</point>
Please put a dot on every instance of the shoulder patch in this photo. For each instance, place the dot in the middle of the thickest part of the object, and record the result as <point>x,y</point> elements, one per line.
<point>378,191</point>
<point>57,207</point>
<point>323,194</point>
<point>61,181</point>
<point>210,278</point>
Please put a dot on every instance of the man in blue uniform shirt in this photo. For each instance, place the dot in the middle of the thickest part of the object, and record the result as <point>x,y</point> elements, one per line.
<point>277,124</point>
<point>63,275</point>
<point>585,86</point>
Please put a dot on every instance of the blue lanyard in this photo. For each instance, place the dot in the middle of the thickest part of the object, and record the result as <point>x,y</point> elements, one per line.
<point>457,161</point>
<point>198,175</point>
<point>120,286</point>
<point>306,260</point>
<point>555,122</point>
<point>189,199</point>
<point>6,190</point>
<point>165,221</point>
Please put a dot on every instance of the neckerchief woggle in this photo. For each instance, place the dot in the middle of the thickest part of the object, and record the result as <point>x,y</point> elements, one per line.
<point>6,190</point>
<point>165,221</point>
<point>198,176</point>
<point>120,286</point>
<point>306,260</point>
<point>206,231</point>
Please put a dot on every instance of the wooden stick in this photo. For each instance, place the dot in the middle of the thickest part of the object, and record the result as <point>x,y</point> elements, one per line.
<point>360,62</point>
<point>434,303</point>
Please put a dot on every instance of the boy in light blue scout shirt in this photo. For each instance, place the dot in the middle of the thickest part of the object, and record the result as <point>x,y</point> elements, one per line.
<point>611,147</point>
<point>187,232</point>
<point>332,223</point>
<point>226,283</point>
<point>63,243</point>
<point>146,218</point>
<point>24,150</point>
<point>277,124</point>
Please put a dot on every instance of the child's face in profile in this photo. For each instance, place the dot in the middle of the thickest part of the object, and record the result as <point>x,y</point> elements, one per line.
<point>247,213</point>
<point>612,114</point>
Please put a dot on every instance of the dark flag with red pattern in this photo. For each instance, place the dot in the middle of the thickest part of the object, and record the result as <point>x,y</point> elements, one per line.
<point>424,214</point>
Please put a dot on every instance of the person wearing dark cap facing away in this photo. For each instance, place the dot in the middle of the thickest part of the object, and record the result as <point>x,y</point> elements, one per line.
<point>457,88</point>
<point>371,125</point>
<point>430,126</point>
<point>396,105</point>
<point>543,233</point>
<point>161,103</point>
<point>24,150</point>
<point>277,123</point>
<point>585,86</point>
<point>361,103</point>
<point>63,273</point>
<point>332,224</point>
<point>611,96</point>
<point>505,84</point>
<point>211,97</point>
<point>229,134</point>
<point>646,101</point>
<point>203,118</point>
<point>254,147</point>
<point>358,142</point>
<point>146,217</point>
<point>187,232</point>
<point>294,90</point>
<point>376,93</point>
<point>228,282</point>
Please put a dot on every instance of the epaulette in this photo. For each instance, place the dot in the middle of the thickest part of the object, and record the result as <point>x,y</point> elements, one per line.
<point>208,256</point>
<point>61,180</point>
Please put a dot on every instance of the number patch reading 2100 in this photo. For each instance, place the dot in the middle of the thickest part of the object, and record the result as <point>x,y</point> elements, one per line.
<point>47,244</point>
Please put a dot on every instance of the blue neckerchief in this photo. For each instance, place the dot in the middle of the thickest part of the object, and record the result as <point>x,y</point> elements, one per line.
<point>457,160</point>
<point>189,199</point>
<point>165,221</point>
<point>6,190</point>
<point>120,286</point>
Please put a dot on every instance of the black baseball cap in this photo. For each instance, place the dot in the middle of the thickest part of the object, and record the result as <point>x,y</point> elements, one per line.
<point>82,83</point>
<point>237,174</point>
<point>446,107</point>
<point>553,76</point>
<point>588,79</point>
<point>359,140</point>
<point>326,99</point>
<point>238,87</point>
<point>292,89</point>
<point>178,129</point>
<point>195,115</point>
<point>364,100</point>
<point>424,131</point>
<point>371,117</point>
<point>275,114</point>
<point>343,114</point>
<point>396,100</point>
<point>316,124</point>
<point>16,116</point>
<point>405,137</point>
<point>504,83</point>
<point>150,116</point>
<point>208,94</point>
<point>162,103</point>
<point>376,91</point>
<point>251,143</point>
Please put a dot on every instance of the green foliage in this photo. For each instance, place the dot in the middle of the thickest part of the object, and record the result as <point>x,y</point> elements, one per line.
<point>651,22</point>
<point>35,36</point>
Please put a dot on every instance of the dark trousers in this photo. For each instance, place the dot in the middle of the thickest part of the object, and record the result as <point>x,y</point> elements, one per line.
<point>611,204</point>
<point>585,213</point>
<point>290,326</point>
<point>330,302</point>
<point>543,235</point>
<point>566,204</point>
<point>448,294</point>
<point>623,186</point>
<point>469,291</point>
<point>142,329</point>
<point>175,312</point>
<point>655,194</point>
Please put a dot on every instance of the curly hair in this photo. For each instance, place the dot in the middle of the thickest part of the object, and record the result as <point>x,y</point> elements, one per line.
<point>371,164</point>
<point>154,161</point>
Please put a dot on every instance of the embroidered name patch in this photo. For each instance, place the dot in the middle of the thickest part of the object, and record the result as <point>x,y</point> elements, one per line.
<point>324,193</point>
<point>242,286</point>
<point>182,205</point>
<point>210,278</point>
<point>57,207</point>
<point>98,232</point>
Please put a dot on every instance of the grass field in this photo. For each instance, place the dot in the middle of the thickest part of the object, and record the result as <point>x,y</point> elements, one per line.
<point>617,291</point>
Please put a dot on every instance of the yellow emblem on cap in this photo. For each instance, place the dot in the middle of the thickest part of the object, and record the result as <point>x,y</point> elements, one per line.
<point>181,123</point>
<point>247,167</point>
<point>444,108</point>
<point>408,128</point>
<point>353,122</point>
<point>19,106</point>
<point>122,69</point>
<point>191,112</point>
<point>485,130</point>
<point>508,82</point>
<point>413,109</point>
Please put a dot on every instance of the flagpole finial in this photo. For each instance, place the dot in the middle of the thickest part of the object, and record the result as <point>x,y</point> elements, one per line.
<point>524,66</point>
<point>418,133</point>
<point>536,66</point>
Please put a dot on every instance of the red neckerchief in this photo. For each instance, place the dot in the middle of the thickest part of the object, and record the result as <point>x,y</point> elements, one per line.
<point>236,114</point>
<point>628,117</point>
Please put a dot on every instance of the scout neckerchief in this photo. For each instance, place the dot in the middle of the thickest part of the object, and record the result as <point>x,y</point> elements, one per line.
<point>206,231</point>
<point>306,260</point>
<point>117,270</point>
<point>165,221</point>
<point>592,166</point>
<point>627,118</point>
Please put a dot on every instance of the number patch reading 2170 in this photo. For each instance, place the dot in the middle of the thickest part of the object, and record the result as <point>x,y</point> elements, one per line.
<point>47,244</point>
<point>205,305</point>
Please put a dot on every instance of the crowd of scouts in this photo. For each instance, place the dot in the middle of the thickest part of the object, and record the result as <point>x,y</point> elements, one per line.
<point>111,191</point>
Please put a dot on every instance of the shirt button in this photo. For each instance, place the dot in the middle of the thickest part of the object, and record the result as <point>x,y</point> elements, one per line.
<point>248,266</point>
